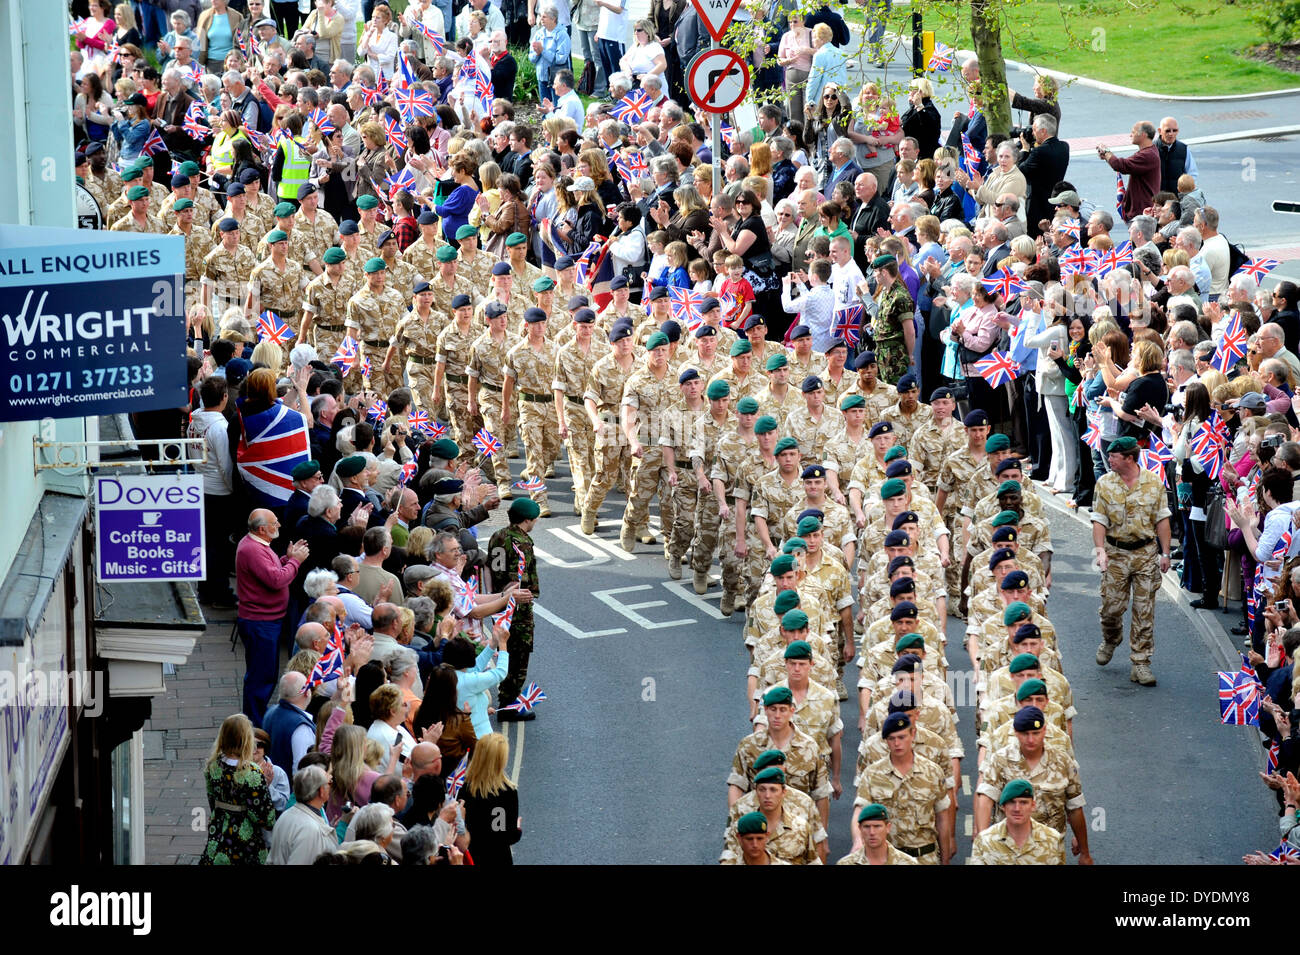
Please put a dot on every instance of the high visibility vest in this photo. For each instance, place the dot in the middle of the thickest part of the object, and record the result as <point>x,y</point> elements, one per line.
<point>223,151</point>
<point>294,171</point>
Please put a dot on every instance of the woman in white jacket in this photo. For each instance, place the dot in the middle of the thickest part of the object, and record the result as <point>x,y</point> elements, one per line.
<point>217,470</point>
<point>1047,332</point>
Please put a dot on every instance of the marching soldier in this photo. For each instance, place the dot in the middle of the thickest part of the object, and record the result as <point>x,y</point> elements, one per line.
<point>137,217</point>
<point>709,431</point>
<point>316,228</point>
<point>417,334</point>
<point>956,473</point>
<point>847,448</point>
<point>506,549</point>
<point>648,396</point>
<point>421,254</point>
<point>276,284</point>
<point>932,444</point>
<point>907,414</point>
<point>525,273</point>
<point>530,368</point>
<point>204,200</point>
<point>879,395</point>
<point>574,361</point>
<point>603,398</point>
<point>915,792</point>
<point>503,293</point>
<point>803,360</point>
<point>226,271</point>
<point>751,834</point>
<point>372,315</point>
<point>283,218</point>
<point>401,274</point>
<point>688,412</point>
<point>198,243</point>
<point>837,377</point>
<point>543,288</point>
<point>874,848</point>
<point>324,309</point>
<point>734,465</point>
<point>1018,839</point>
<point>182,188</point>
<point>705,361</point>
<point>799,838</point>
<point>237,209</point>
<point>475,264</point>
<point>742,379</point>
<point>778,399</point>
<point>452,359</point>
<point>804,768</point>
<point>775,494</point>
<point>487,363</point>
<point>814,425</point>
<point>1130,536</point>
<point>368,227</point>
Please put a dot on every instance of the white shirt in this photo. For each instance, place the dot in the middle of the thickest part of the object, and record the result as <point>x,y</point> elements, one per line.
<point>382,54</point>
<point>613,26</point>
<point>388,735</point>
<point>570,105</point>
<point>844,281</point>
<point>1215,254</point>
<point>641,59</point>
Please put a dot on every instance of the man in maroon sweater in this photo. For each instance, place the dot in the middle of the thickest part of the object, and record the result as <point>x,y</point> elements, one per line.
<point>1143,169</point>
<point>262,582</point>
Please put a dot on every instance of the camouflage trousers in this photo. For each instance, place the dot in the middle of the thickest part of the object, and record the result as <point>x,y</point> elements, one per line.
<point>686,502</point>
<point>647,474</point>
<point>489,408</point>
<point>383,382</point>
<point>541,436</point>
<point>521,648</point>
<point>581,445</point>
<point>421,379</point>
<point>707,527</point>
<point>1136,575</point>
<point>741,576</point>
<point>952,573</point>
<point>463,424</point>
<point>612,457</point>
<point>893,359</point>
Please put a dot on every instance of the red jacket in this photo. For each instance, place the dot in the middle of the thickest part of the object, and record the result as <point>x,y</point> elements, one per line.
<point>1143,169</point>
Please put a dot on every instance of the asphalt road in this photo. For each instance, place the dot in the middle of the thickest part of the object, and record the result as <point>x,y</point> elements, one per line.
<point>626,762</point>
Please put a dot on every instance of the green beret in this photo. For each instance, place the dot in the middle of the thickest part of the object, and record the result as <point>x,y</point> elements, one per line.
<point>465,231</point>
<point>894,453</point>
<point>188,169</point>
<point>446,253</point>
<point>853,401</point>
<point>333,256</point>
<point>1016,789</point>
<point>1004,518</point>
<point>516,238</point>
<point>798,650</point>
<point>997,442</point>
<point>1030,688</point>
<point>747,405</point>
<point>1022,662</point>
<point>769,757</point>
<point>350,466</point>
<point>544,284</point>
<point>1016,611</point>
<point>375,264</point>
<point>782,565</point>
<point>131,173</point>
<point>718,389</point>
<point>765,425</point>
<point>656,340</point>
<point>776,361</point>
<point>873,811</point>
<point>276,235</point>
<point>892,488</point>
<point>304,470</point>
<point>809,525</point>
<point>367,202</point>
<point>793,544</point>
<point>137,192</point>
<point>773,774</point>
<point>741,346</point>
<point>794,620</point>
<point>787,444</point>
<point>751,823</point>
<point>1010,487</point>
<point>881,261</point>
<point>445,448</point>
<point>283,210</point>
<point>786,600</point>
<point>182,204</point>
<point>1122,444</point>
<point>909,640</point>
<point>778,695</point>
<point>523,509</point>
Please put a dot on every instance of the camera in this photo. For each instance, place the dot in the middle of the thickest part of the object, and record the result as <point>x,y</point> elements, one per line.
<point>1017,132</point>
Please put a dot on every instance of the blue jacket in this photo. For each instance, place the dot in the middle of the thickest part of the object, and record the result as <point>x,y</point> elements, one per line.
<point>554,56</point>
<point>472,687</point>
<point>130,137</point>
<point>455,211</point>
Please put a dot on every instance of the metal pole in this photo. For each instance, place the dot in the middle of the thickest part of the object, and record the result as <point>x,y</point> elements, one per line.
<point>716,145</point>
<point>918,68</point>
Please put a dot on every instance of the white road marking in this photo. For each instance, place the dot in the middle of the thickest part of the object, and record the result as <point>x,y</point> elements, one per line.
<point>569,628</point>
<point>629,610</point>
<point>519,756</point>
<point>554,561</point>
<point>687,592</point>
<point>965,785</point>
<point>613,547</point>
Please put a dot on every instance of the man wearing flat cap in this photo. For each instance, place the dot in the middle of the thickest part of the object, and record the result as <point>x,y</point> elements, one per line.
<point>795,835</point>
<point>1018,839</point>
<point>1130,539</point>
<point>915,793</point>
<point>874,829</point>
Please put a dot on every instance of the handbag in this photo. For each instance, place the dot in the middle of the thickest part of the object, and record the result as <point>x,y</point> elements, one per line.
<point>1216,518</point>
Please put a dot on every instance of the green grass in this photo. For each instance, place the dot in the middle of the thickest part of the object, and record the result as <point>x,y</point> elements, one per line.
<point>1178,47</point>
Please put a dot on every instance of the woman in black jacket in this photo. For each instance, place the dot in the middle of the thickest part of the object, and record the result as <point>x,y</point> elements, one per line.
<point>491,804</point>
<point>947,204</point>
<point>591,220</point>
<point>921,120</point>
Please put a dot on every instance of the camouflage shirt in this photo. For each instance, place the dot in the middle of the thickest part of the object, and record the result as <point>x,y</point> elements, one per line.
<point>1055,779</point>
<point>914,800</point>
<point>805,770</point>
<point>994,846</point>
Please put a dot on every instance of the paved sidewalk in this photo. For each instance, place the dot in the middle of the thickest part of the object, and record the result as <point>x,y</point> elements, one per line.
<point>178,739</point>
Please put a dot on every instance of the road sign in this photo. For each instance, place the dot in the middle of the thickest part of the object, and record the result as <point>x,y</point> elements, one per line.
<point>717,80</point>
<point>716,15</point>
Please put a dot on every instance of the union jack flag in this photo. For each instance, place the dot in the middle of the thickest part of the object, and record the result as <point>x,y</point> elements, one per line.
<point>632,108</point>
<point>405,72</point>
<point>631,165</point>
<point>346,357</point>
<point>1004,282</point>
<point>196,72</point>
<point>1270,761</point>
<point>403,181</point>
<point>728,135</point>
<point>1121,193</point>
<point>431,36</point>
<point>320,119</point>
<point>486,443</point>
<point>272,328</point>
<point>153,145</point>
<point>941,58</point>
<point>412,102</point>
<point>531,484</point>
<point>1076,259</point>
<point>261,141</point>
<point>330,664</point>
<point>371,97</point>
<point>970,153</point>
<point>113,50</point>
<point>457,778</point>
<point>1152,463</point>
<point>521,565</point>
<point>248,44</point>
<point>686,306</point>
<point>1241,707</point>
<point>1159,450</point>
<point>584,271</point>
<point>472,70</point>
<point>1258,268</point>
<point>463,601</point>
<point>1285,853</point>
<point>365,366</point>
<point>531,696</point>
<point>997,369</point>
<point>408,472</point>
<point>1210,435</point>
<point>419,420</point>
<point>396,138</point>
<point>1112,259</point>
<point>848,324</point>
<point>194,129</point>
<point>1232,347</point>
<point>507,616</point>
<point>74,26</point>
<point>1071,228</point>
<point>272,443</point>
<point>1280,549</point>
<point>1092,436</point>
<point>437,430</point>
<point>1212,462</point>
<point>378,410</point>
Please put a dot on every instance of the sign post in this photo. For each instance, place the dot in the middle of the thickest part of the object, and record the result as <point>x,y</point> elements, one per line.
<point>716,15</point>
<point>149,527</point>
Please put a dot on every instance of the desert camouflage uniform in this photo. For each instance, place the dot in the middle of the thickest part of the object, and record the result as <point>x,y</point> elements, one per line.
<point>749,386</point>
<point>227,273</point>
<point>454,349</point>
<point>801,369</point>
<point>678,434</point>
<point>1055,779</point>
<point>994,846</point>
<point>326,300</point>
<point>813,436</point>
<point>605,388</point>
<point>703,448</point>
<point>197,246</point>
<point>878,400</point>
<point>1032,532</point>
<point>487,363</point>
<point>913,801</point>
<point>153,225</point>
<point>416,342</point>
<point>653,399</point>
<point>929,449</point>
<point>1130,515</point>
<point>956,474</point>
<point>873,748</point>
<point>795,841</point>
<point>737,464</point>
<point>769,662</point>
<point>818,715</point>
<point>805,771</point>
<point>533,373</point>
<point>372,319</point>
<point>780,410</point>
<point>772,498</point>
<point>762,623</point>
<point>692,360</point>
<point>906,426</point>
<point>831,576</point>
<point>422,258</point>
<point>894,857</point>
<point>276,291</point>
<point>569,376</point>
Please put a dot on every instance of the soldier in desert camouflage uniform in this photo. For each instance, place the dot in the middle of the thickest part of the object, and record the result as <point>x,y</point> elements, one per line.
<point>1018,839</point>
<point>486,367</point>
<point>603,399</point>
<point>372,316</point>
<point>529,374</point>
<point>574,361</point>
<point>451,371</point>
<point>914,790</point>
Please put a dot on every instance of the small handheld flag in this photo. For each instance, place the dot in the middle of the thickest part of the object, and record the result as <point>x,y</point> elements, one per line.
<point>346,357</point>
<point>378,411</point>
<point>272,328</point>
<point>632,108</point>
<point>529,698</point>
<point>457,779</point>
<point>531,484</point>
<point>997,369</point>
<point>485,443</point>
<point>848,324</point>
<point>1232,347</point>
<point>941,58</point>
